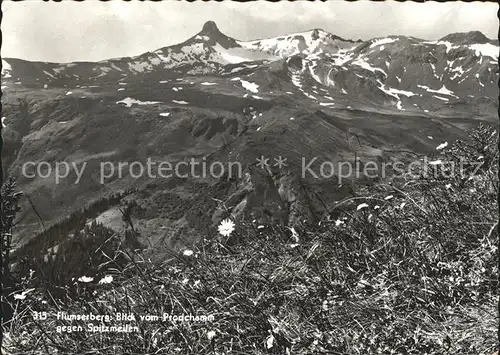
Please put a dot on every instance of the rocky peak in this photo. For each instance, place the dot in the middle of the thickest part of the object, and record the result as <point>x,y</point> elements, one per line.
<point>215,36</point>
<point>210,27</point>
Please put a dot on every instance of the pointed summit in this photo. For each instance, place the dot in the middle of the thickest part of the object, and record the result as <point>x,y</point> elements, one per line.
<point>211,34</point>
<point>210,27</point>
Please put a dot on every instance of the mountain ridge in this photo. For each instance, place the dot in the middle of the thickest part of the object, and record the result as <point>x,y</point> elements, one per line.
<point>210,27</point>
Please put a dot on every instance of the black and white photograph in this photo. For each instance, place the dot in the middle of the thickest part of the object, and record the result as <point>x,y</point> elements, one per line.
<point>249,178</point>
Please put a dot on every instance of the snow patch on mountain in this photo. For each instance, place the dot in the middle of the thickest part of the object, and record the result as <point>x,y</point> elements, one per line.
<point>441,98</point>
<point>486,50</point>
<point>458,72</point>
<point>231,56</point>
<point>309,42</point>
<point>363,64</point>
<point>296,80</point>
<point>309,95</point>
<point>237,55</point>
<point>202,38</point>
<point>394,92</point>
<point>449,46</point>
<point>250,86</point>
<point>382,41</point>
<point>402,92</point>
<point>128,101</point>
<point>281,46</point>
<point>443,90</point>
<point>317,77</point>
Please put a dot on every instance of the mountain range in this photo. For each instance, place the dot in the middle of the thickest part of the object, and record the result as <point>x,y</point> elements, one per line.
<point>213,97</point>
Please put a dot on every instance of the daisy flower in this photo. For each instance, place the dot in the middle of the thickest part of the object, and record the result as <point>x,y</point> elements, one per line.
<point>226,227</point>
<point>363,205</point>
<point>106,280</point>
<point>211,334</point>
<point>187,252</point>
<point>86,279</point>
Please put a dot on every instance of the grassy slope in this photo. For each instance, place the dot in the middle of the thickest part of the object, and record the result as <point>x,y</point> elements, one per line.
<point>409,274</point>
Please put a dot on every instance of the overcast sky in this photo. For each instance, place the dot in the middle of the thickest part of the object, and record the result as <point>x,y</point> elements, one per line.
<point>91,30</point>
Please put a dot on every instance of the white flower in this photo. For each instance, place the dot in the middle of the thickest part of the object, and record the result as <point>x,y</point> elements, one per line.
<point>295,235</point>
<point>211,334</point>
<point>187,252</point>
<point>22,295</point>
<point>226,227</point>
<point>86,279</point>
<point>106,280</point>
<point>270,341</point>
<point>376,207</point>
<point>338,222</point>
<point>448,186</point>
<point>324,305</point>
<point>442,146</point>
<point>363,205</point>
